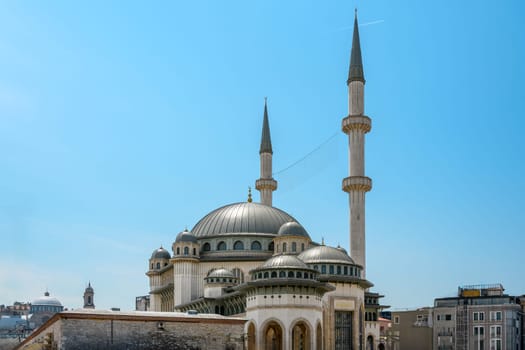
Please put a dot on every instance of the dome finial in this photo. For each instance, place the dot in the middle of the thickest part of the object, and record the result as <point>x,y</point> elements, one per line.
<point>322,240</point>
<point>249,194</point>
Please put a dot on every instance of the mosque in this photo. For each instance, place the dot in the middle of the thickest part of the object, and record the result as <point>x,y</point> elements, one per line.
<point>256,261</point>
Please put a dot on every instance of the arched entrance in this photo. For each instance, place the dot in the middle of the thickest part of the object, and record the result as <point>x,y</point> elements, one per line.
<point>370,343</point>
<point>319,337</point>
<point>273,337</point>
<point>251,337</point>
<point>381,346</point>
<point>301,336</point>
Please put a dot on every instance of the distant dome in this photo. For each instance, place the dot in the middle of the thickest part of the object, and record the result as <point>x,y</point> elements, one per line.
<point>325,254</point>
<point>222,272</point>
<point>160,253</point>
<point>242,218</point>
<point>284,261</point>
<point>185,236</point>
<point>46,300</point>
<point>293,229</point>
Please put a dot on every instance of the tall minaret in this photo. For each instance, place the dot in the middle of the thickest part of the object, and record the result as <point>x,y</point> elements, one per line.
<point>89,297</point>
<point>356,125</point>
<point>266,184</point>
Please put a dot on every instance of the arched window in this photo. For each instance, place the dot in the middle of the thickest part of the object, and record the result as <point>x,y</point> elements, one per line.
<point>158,265</point>
<point>239,274</point>
<point>165,264</point>
<point>323,268</point>
<point>221,246</point>
<point>194,251</point>
<point>345,270</point>
<point>294,247</point>
<point>238,245</point>
<point>274,274</point>
<point>266,275</point>
<point>178,250</point>
<point>290,274</point>
<point>316,267</point>
<point>302,247</point>
<point>152,266</point>
<point>282,274</point>
<point>284,247</point>
<point>270,246</point>
<point>338,269</point>
<point>206,247</point>
<point>256,245</point>
<point>299,274</point>
<point>331,269</point>
<point>186,251</point>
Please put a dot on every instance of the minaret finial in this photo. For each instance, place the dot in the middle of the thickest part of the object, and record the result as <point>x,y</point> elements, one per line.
<point>249,194</point>
<point>356,63</point>
<point>266,140</point>
<point>322,240</point>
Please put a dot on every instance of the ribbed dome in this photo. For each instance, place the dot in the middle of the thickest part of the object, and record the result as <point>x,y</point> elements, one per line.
<point>284,261</point>
<point>222,272</point>
<point>293,229</point>
<point>160,253</point>
<point>185,236</point>
<point>46,300</point>
<point>241,218</point>
<point>325,254</point>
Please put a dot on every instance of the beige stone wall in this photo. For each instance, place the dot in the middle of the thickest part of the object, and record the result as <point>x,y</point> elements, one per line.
<point>153,333</point>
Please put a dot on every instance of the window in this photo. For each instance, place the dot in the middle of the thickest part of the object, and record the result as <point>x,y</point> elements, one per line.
<point>396,319</point>
<point>290,274</point>
<point>186,251</point>
<point>221,246</point>
<point>294,247</point>
<point>343,330</point>
<point>274,274</point>
<point>338,270</point>
<point>479,316</point>
<point>206,247</point>
<point>282,274</point>
<point>479,331</point>
<point>331,269</point>
<point>256,245</point>
<point>238,245</point>
<point>495,331</point>
<point>345,269</point>
<point>284,247</point>
<point>495,344</point>
<point>302,247</point>
<point>448,317</point>
<point>158,265</point>
<point>495,316</point>
<point>323,268</point>
<point>270,246</point>
<point>194,251</point>
<point>178,250</point>
<point>299,274</point>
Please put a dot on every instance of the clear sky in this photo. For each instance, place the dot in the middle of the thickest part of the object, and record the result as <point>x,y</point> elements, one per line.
<point>121,123</point>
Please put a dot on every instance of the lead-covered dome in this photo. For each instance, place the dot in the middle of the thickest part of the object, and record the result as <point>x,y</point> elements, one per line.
<point>325,254</point>
<point>293,228</point>
<point>185,236</point>
<point>46,300</point>
<point>221,272</point>
<point>160,253</point>
<point>284,261</point>
<point>242,218</point>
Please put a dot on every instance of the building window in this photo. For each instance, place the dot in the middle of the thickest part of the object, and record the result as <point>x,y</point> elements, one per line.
<point>284,247</point>
<point>282,274</point>
<point>270,246</point>
<point>158,265</point>
<point>345,269</point>
<point>479,316</point>
<point>396,319</point>
<point>256,245</point>
<point>338,270</point>
<point>331,269</point>
<point>290,274</point>
<point>294,247</point>
<point>479,330</point>
<point>178,250</point>
<point>495,344</point>
<point>221,246</point>
<point>186,251</point>
<point>302,247</point>
<point>206,247</point>
<point>299,275</point>
<point>495,315</point>
<point>343,330</point>
<point>238,245</point>
<point>274,274</point>
<point>448,317</point>
<point>194,251</point>
<point>323,268</point>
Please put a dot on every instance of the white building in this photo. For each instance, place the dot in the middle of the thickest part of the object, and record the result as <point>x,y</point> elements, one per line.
<point>256,261</point>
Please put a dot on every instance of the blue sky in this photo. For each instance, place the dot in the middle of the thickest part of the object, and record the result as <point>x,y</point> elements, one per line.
<point>121,123</point>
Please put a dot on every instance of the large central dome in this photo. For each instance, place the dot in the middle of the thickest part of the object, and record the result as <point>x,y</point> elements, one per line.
<point>242,218</point>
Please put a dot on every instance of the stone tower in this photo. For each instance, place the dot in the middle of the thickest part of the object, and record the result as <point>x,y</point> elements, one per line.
<point>89,297</point>
<point>356,125</point>
<point>266,184</point>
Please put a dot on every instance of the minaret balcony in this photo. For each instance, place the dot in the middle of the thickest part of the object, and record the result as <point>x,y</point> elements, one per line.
<point>266,184</point>
<point>357,183</point>
<point>356,122</point>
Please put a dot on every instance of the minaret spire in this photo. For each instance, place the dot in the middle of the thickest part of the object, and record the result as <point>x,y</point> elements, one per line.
<point>266,184</point>
<point>356,125</point>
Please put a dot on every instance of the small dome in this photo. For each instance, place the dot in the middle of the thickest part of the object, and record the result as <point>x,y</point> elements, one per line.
<point>160,253</point>
<point>185,236</point>
<point>325,254</point>
<point>284,261</point>
<point>222,273</point>
<point>293,229</point>
<point>46,300</point>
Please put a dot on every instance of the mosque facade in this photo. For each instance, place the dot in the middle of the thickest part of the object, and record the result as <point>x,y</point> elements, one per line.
<point>256,261</point>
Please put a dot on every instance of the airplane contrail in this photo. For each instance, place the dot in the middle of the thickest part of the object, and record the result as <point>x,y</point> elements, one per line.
<point>372,22</point>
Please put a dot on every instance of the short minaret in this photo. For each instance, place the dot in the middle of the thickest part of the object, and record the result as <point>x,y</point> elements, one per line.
<point>356,125</point>
<point>266,184</point>
<point>89,297</point>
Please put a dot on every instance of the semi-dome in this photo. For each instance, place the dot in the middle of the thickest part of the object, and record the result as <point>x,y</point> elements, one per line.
<point>185,236</point>
<point>160,253</point>
<point>222,273</point>
<point>293,229</point>
<point>284,261</point>
<point>46,300</point>
<point>242,218</point>
<point>325,254</point>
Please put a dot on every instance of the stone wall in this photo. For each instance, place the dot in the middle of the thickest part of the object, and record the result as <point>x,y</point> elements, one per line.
<point>123,332</point>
